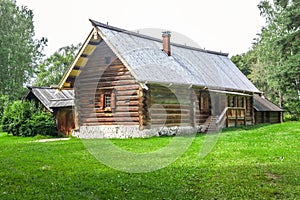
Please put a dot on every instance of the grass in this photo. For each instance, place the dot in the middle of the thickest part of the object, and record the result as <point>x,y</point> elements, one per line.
<point>254,163</point>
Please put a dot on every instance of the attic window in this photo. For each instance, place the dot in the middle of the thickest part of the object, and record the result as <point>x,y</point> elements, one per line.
<point>107,60</point>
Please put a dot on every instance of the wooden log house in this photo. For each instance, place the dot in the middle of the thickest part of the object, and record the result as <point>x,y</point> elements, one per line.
<point>130,85</point>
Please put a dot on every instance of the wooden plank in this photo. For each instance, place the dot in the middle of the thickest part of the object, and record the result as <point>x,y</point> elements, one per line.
<point>108,123</point>
<point>127,92</point>
<point>89,49</point>
<point>170,111</point>
<point>75,73</point>
<point>127,109</point>
<point>84,97</point>
<point>126,103</point>
<point>113,119</point>
<point>127,98</point>
<point>170,121</point>
<point>99,85</point>
<point>81,61</point>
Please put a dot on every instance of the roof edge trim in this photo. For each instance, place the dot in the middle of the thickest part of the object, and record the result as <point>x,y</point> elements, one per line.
<point>66,75</point>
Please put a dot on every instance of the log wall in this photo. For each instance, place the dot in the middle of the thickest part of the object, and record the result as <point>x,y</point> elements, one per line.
<point>267,117</point>
<point>100,75</point>
<point>170,106</point>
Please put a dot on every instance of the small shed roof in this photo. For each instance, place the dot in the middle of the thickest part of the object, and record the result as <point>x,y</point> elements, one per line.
<point>262,104</point>
<point>51,97</point>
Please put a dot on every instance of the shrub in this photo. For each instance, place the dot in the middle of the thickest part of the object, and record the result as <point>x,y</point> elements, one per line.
<point>25,119</point>
<point>42,123</point>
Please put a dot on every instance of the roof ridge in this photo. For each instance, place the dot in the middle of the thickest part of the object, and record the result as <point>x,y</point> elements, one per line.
<point>39,87</point>
<point>96,23</point>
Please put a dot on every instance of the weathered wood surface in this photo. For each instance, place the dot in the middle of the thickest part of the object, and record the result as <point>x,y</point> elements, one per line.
<point>93,81</point>
<point>66,121</point>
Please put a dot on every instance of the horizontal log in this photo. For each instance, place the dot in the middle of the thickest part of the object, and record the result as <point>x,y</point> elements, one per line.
<point>171,102</point>
<point>117,78</point>
<point>125,103</point>
<point>170,106</point>
<point>109,115</point>
<point>172,99</point>
<point>86,75</point>
<point>127,88</point>
<point>170,111</point>
<point>169,121</point>
<point>179,94</point>
<point>114,119</point>
<point>83,94</point>
<point>164,115</point>
<point>105,79</point>
<point>108,124</point>
<point>122,83</point>
<point>117,66</point>
<point>127,92</point>
<point>104,67</point>
<point>115,83</point>
<point>127,109</point>
<point>96,109</point>
<point>127,98</point>
<point>167,125</point>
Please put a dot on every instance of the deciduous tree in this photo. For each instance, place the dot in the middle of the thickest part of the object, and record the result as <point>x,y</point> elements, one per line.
<point>52,69</point>
<point>20,53</point>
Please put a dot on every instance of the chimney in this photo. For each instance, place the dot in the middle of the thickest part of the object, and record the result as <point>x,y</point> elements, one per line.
<point>166,42</point>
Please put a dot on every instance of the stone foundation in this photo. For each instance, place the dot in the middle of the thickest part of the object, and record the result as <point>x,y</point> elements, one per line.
<point>131,131</point>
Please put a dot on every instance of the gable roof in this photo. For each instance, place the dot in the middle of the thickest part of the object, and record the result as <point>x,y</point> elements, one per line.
<point>144,58</point>
<point>262,104</point>
<point>52,98</point>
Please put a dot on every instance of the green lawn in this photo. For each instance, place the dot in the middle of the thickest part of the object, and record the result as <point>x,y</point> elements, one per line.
<point>258,163</point>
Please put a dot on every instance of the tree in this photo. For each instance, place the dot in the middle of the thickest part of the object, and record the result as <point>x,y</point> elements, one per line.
<point>274,60</point>
<point>52,69</point>
<point>242,63</point>
<point>279,50</point>
<point>20,53</point>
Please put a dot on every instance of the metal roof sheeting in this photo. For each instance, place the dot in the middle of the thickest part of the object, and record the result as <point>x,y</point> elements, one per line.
<point>262,104</point>
<point>53,98</point>
<point>186,65</point>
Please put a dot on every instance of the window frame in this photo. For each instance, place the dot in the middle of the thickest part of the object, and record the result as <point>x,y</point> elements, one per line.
<point>103,95</point>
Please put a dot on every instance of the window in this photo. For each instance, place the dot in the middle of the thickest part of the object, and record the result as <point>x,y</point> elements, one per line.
<point>231,101</point>
<point>107,100</point>
<point>241,101</point>
<point>107,60</point>
<point>235,101</point>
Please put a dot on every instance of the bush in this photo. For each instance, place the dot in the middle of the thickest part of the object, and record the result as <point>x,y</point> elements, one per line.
<point>42,123</point>
<point>25,119</point>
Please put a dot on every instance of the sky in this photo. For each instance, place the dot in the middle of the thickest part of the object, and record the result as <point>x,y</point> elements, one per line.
<point>227,26</point>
